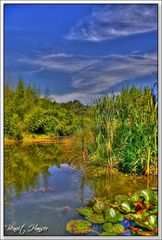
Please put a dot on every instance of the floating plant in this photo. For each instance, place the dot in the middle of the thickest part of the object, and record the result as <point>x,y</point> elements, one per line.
<point>96,218</point>
<point>113,215</point>
<point>78,226</point>
<point>85,211</point>
<point>135,214</point>
<point>98,207</point>
<point>111,229</point>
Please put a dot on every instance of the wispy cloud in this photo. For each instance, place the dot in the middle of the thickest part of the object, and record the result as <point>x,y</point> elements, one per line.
<point>92,76</point>
<point>114,69</point>
<point>113,21</point>
<point>61,62</point>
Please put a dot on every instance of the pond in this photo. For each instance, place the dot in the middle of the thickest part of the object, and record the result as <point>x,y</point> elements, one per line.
<point>44,185</point>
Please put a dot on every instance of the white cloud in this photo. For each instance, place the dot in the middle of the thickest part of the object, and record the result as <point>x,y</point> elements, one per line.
<point>114,69</point>
<point>61,62</point>
<point>113,21</point>
<point>92,76</point>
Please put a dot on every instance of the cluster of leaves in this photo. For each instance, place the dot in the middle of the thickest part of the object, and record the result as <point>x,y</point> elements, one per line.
<point>27,111</point>
<point>126,132</point>
<point>139,211</point>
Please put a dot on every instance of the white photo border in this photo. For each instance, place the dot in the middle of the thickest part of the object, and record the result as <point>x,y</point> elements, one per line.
<point>2,4</point>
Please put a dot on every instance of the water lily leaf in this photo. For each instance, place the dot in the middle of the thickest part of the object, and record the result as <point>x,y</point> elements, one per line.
<point>84,211</point>
<point>108,234</point>
<point>145,224</point>
<point>96,218</point>
<point>149,195</point>
<point>154,211</point>
<point>115,204</point>
<point>108,227</point>
<point>113,215</point>
<point>121,198</point>
<point>98,207</point>
<point>119,228</point>
<point>78,226</point>
<point>128,207</point>
<point>130,216</point>
<point>153,220</point>
<point>136,197</point>
<point>113,229</point>
<point>146,195</point>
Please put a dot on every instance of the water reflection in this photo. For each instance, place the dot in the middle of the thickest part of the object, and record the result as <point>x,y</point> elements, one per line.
<point>115,184</point>
<point>43,186</point>
<point>25,163</point>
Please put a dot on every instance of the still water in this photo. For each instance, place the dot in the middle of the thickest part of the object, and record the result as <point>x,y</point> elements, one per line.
<point>45,183</point>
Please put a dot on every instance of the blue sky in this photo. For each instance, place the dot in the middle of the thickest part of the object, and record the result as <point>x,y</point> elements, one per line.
<point>81,51</point>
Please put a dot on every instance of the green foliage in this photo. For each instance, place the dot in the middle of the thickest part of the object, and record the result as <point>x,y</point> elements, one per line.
<point>113,215</point>
<point>116,131</point>
<point>78,226</point>
<point>113,219</point>
<point>27,112</point>
<point>95,218</point>
<point>111,229</point>
<point>125,131</point>
<point>85,211</point>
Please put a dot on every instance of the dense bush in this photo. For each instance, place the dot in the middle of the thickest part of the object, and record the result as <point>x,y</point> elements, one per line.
<point>26,111</point>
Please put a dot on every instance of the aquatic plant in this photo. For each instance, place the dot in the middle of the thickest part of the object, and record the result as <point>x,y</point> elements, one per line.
<point>78,226</point>
<point>125,131</point>
<point>137,215</point>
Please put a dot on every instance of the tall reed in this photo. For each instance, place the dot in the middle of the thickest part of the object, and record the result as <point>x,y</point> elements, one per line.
<point>125,131</point>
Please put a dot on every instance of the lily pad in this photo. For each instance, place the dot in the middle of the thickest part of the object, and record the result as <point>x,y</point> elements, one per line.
<point>130,216</point>
<point>96,218</point>
<point>111,229</point>
<point>119,228</point>
<point>108,234</point>
<point>145,224</point>
<point>115,204</point>
<point>113,215</point>
<point>98,207</point>
<point>121,198</point>
<point>146,195</point>
<point>154,211</point>
<point>84,211</point>
<point>153,220</point>
<point>128,207</point>
<point>136,197</point>
<point>108,227</point>
<point>78,226</point>
<point>149,195</point>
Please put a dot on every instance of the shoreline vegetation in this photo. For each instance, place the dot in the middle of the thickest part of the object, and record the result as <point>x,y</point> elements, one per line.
<point>114,132</point>
<point>29,139</point>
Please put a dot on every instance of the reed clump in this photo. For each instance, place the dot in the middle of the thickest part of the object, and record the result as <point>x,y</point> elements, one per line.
<point>125,129</point>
